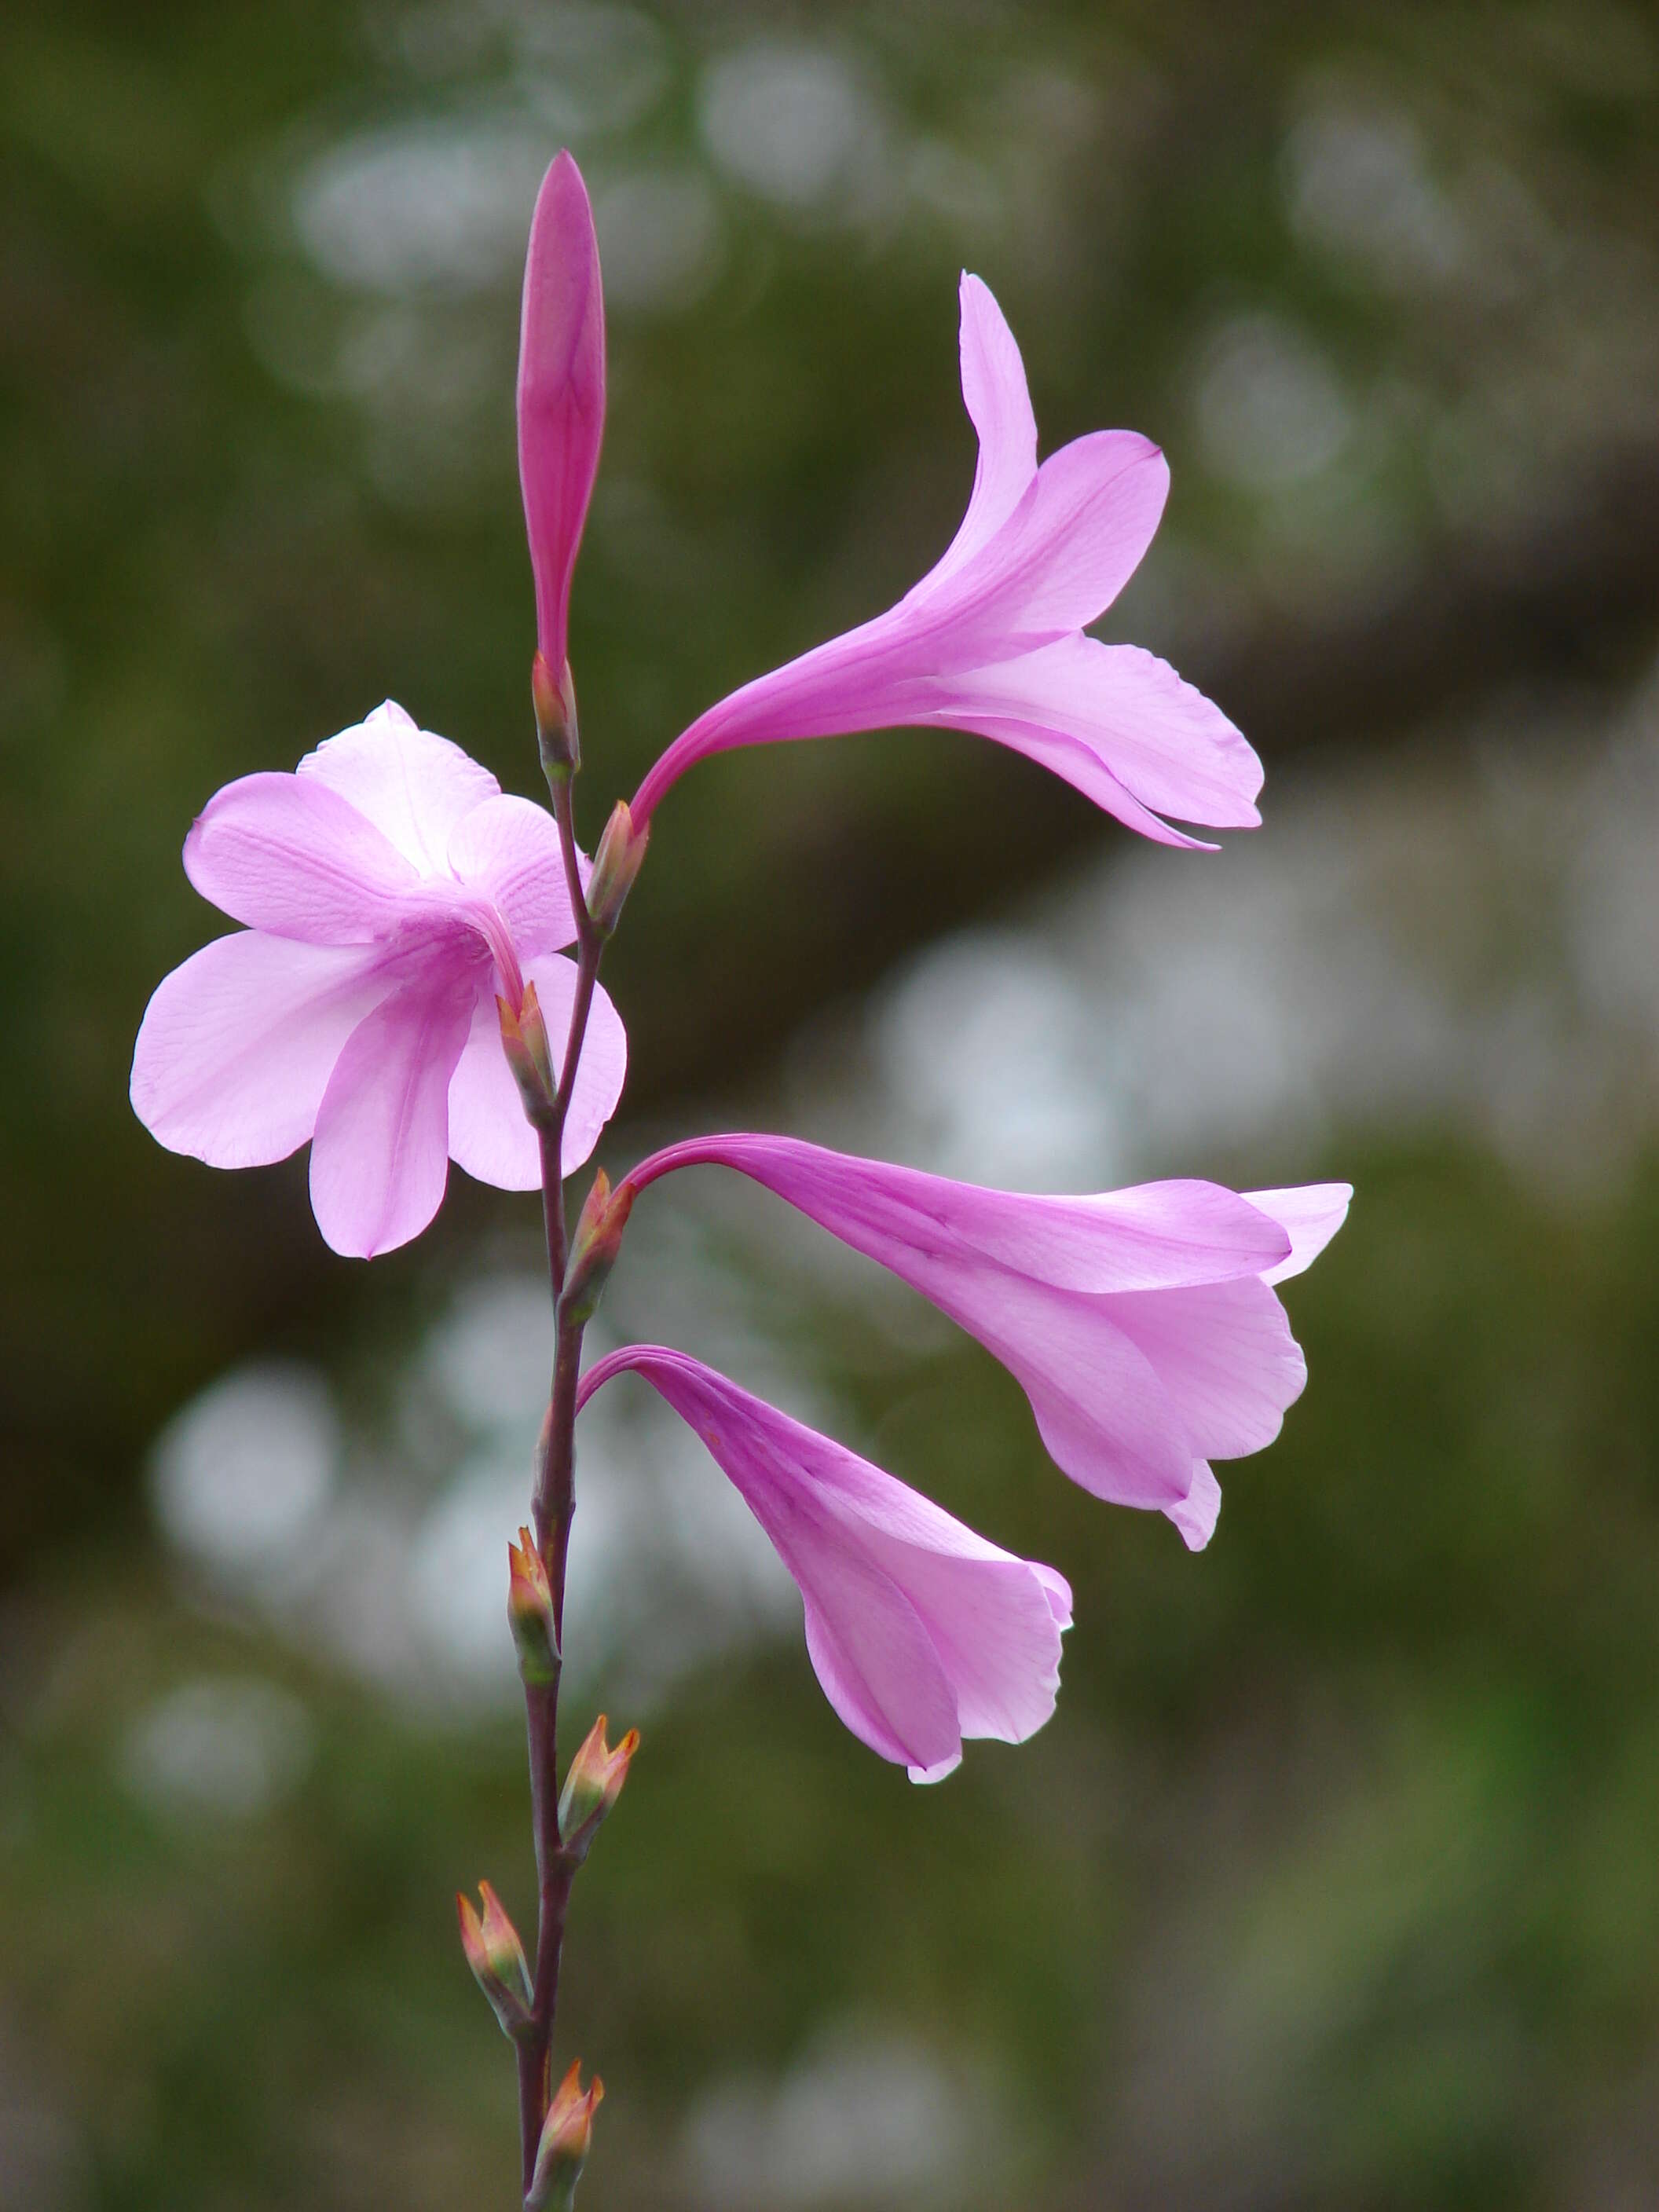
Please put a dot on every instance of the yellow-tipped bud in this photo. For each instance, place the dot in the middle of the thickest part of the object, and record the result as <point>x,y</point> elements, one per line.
<point>554,698</point>
<point>530,1612</point>
<point>497,1958</point>
<point>524,1040</point>
<point>592,1786</point>
<point>622,850</point>
<point>567,2138</point>
<point>594,1246</point>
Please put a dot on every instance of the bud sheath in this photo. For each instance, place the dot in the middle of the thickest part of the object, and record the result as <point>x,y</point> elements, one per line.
<point>567,2138</point>
<point>497,1958</point>
<point>594,1246</point>
<point>592,1786</point>
<point>530,1612</point>
<point>616,863</point>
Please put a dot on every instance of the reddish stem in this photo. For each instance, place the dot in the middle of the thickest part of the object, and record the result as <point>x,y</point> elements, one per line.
<point>553,1508</point>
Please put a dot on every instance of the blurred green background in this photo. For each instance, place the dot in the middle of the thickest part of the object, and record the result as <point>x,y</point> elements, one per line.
<point>1334,1882</point>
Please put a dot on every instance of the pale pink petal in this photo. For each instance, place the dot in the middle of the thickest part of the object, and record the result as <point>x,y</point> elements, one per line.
<point>411,784</point>
<point>1311,1216</point>
<point>1198,1512</point>
<point>489,1135</point>
<point>1154,735</point>
<point>999,405</point>
<point>509,849</point>
<point>380,1158</point>
<point>1071,758</point>
<point>237,1044</point>
<point>921,1632</point>
<point>994,1629</point>
<point>296,860</point>
<point>1101,1406</point>
<point>872,1652</point>
<point>1072,543</point>
<point>1225,1354</point>
<point>603,1067</point>
<point>561,391</point>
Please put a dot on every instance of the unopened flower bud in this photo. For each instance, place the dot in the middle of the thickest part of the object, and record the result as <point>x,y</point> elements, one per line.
<point>524,1040</point>
<point>622,850</point>
<point>497,1958</point>
<point>554,698</point>
<point>594,1246</point>
<point>530,1612</point>
<point>567,2138</point>
<point>592,1786</point>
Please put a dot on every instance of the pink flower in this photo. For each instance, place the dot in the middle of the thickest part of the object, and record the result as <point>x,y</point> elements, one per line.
<point>392,892</point>
<point>1142,1324</point>
<point>561,393</point>
<point>992,640</point>
<point>920,1632</point>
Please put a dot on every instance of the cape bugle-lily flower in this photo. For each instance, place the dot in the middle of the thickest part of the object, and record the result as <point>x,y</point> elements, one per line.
<point>1142,1324</point>
<point>920,1632</point>
<point>392,894</point>
<point>992,640</point>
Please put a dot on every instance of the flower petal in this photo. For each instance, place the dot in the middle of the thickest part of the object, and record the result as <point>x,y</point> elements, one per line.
<point>1101,1406</point>
<point>1225,1353</point>
<point>999,404</point>
<point>509,849</point>
<point>298,860</point>
<point>603,1067</point>
<point>1156,737</point>
<point>1071,546</point>
<point>1311,1216</point>
<point>411,784</point>
<point>237,1045</point>
<point>489,1135</point>
<point>870,1651</point>
<point>380,1156</point>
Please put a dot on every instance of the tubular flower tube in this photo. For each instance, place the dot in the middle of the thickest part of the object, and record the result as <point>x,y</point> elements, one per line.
<point>992,640</point>
<point>921,1632</point>
<point>1142,1324</point>
<point>393,895</point>
<point>560,393</point>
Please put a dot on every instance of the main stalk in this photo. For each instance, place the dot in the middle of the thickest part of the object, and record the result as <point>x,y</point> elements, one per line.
<point>553,1508</point>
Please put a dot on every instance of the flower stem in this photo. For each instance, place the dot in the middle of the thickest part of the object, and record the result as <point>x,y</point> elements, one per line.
<point>552,1509</point>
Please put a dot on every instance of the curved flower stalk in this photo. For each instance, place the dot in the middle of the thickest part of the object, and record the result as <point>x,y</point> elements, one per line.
<point>392,894</point>
<point>398,995</point>
<point>1142,1324</point>
<point>920,1632</point>
<point>992,640</point>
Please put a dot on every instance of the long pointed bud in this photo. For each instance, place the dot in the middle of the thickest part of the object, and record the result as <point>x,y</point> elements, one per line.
<point>593,1247</point>
<point>567,2138</point>
<point>561,393</point>
<point>530,1612</point>
<point>592,1787</point>
<point>616,863</point>
<point>497,1958</point>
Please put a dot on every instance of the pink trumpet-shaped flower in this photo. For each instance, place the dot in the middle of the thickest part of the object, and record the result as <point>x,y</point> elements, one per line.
<point>992,640</point>
<point>1142,1324</point>
<point>391,893</point>
<point>920,1632</point>
<point>561,393</point>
